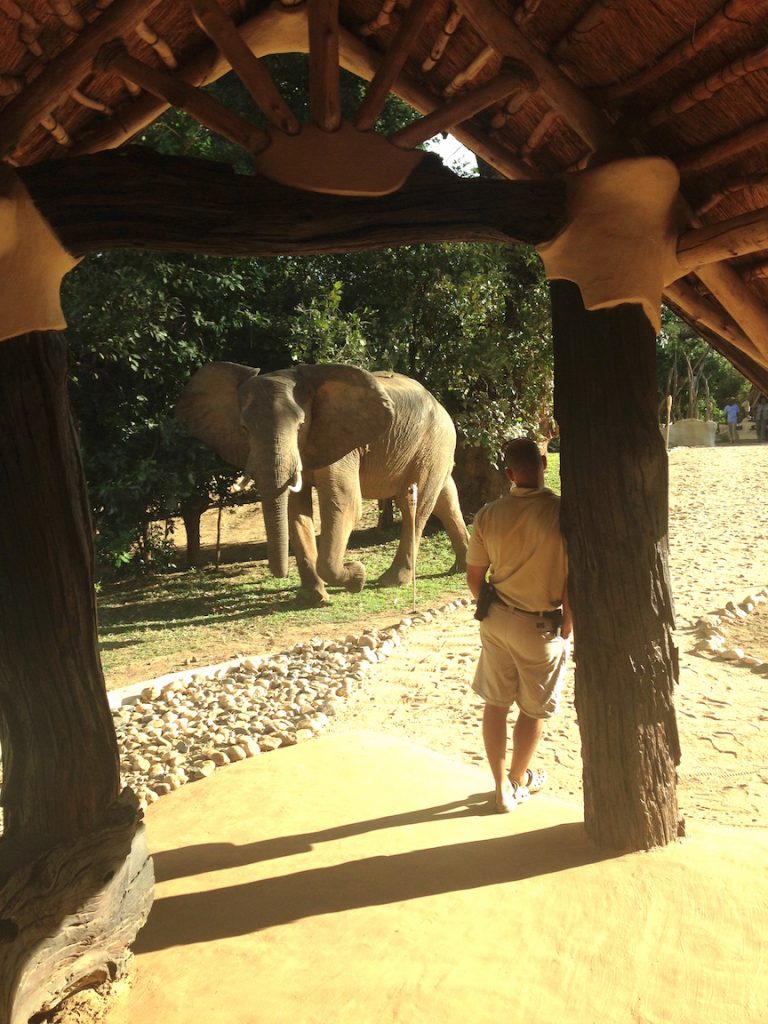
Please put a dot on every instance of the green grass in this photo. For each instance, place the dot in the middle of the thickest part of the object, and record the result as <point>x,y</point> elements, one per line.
<point>154,625</point>
<point>151,626</point>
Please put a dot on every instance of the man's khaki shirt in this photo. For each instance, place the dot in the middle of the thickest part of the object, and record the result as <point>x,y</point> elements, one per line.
<point>519,537</point>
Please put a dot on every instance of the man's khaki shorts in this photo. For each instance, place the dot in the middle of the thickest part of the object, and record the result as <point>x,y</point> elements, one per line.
<point>521,662</point>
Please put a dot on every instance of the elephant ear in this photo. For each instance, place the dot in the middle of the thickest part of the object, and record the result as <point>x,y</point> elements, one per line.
<point>209,409</point>
<point>347,407</point>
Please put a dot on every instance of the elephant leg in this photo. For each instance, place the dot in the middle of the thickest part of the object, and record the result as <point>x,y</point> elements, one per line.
<point>401,570</point>
<point>304,544</point>
<point>341,505</point>
<point>448,511</point>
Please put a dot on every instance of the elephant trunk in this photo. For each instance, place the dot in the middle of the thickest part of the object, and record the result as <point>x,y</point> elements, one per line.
<point>275,477</point>
<point>275,510</point>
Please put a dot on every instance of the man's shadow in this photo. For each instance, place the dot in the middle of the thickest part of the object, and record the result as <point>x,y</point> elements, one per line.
<point>368,881</point>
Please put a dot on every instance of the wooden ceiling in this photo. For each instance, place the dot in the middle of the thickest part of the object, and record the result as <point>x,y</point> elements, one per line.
<point>535,88</point>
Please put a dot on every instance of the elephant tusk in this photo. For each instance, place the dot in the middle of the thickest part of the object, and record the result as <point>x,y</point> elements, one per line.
<point>296,482</point>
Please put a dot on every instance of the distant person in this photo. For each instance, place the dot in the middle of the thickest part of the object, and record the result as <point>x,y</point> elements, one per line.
<point>731,412</point>
<point>525,632</point>
<point>761,418</point>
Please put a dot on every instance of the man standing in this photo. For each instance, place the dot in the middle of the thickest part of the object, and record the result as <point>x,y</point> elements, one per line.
<point>525,635</point>
<point>731,412</point>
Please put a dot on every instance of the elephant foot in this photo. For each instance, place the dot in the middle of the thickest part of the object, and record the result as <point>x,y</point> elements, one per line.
<point>355,577</point>
<point>394,577</point>
<point>315,597</point>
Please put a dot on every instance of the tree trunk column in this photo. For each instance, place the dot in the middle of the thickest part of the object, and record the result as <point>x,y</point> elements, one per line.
<point>60,760</point>
<point>614,514</point>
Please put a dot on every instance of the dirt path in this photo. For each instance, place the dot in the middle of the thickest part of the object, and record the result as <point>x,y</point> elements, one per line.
<point>718,552</point>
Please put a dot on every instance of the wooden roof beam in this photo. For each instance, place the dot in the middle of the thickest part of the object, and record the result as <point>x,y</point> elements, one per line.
<point>392,63</point>
<point>325,101</point>
<point>700,309</point>
<point>178,94</point>
<point>577,110</point>
<point>706,88</point>
<point>732,185</point>
<point>724,149</point>
<point>700,38</point>
<point>463,107</point>
<point>440,45</point>
<point>737,236</point>
<point>66,71</point>
<point>248,68</point>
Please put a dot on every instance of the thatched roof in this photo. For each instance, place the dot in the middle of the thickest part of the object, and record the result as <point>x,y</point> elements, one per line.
<point>685,79</point>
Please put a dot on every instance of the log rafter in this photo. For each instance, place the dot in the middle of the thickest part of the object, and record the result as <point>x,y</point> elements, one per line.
<point>706,88</point>
<point>712,243</point>
<point>325,102</point>
<point>711,32</point>
<point>249,69</point>
<point>724,149</point>
<point>731,186</point>
<point>198,104</point>
<point>67,70</point>
<point>464,107</point>
<point>440,45</point>
<point>392,63</point>
<point>471,71</point>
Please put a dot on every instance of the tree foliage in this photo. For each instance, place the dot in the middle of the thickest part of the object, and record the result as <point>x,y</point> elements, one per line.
<point>699,380</point>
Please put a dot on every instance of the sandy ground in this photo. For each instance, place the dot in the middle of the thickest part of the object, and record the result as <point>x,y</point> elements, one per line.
<point>718,552</point>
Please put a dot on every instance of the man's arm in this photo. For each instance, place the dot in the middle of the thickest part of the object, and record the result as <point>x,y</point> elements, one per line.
<point>475,577</point>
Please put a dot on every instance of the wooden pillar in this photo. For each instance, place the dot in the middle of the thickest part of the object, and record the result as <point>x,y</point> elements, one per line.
<point>60,760</point>
<point>614,514</point>
<point>76,879</point>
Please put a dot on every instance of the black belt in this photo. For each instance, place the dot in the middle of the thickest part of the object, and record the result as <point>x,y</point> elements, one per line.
<point>539,615</point>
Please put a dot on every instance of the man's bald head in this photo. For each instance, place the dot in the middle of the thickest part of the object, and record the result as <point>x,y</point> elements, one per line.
<point>524,463</point>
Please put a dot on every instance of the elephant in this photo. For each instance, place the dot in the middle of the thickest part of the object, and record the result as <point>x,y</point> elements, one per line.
<point>345,432</point>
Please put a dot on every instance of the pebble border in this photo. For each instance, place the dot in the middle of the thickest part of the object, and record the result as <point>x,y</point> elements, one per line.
<point>182,727</point>
<point>714,642</point>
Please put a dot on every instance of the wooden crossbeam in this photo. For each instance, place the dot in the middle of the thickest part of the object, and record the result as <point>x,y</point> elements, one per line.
<point>66,71</point>
<point>325,101</point>
<point>248,68</point>
<point>198,104</point>
<point>737,236</point>
<point>464,107</point>
<point>392,63</point>
<point>176,204</point>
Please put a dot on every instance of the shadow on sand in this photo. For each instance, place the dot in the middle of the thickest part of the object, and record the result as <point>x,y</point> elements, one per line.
<point>368,881</point>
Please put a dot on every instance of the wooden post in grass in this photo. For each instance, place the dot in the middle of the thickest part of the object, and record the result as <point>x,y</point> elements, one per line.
<point>413,497</point>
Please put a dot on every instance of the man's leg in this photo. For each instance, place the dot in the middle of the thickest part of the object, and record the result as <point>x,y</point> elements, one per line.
<point>495,740</point>
<point>525,740</point>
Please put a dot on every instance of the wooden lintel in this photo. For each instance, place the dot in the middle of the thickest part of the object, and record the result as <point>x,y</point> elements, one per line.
<point>392,63</point>
<point>66,71</point>
<point>179,94</point>
<point>462,108</point>
<point>325,102</point>
<point>248,68</point>
<point>737,236</point>
<point>172,204</point>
